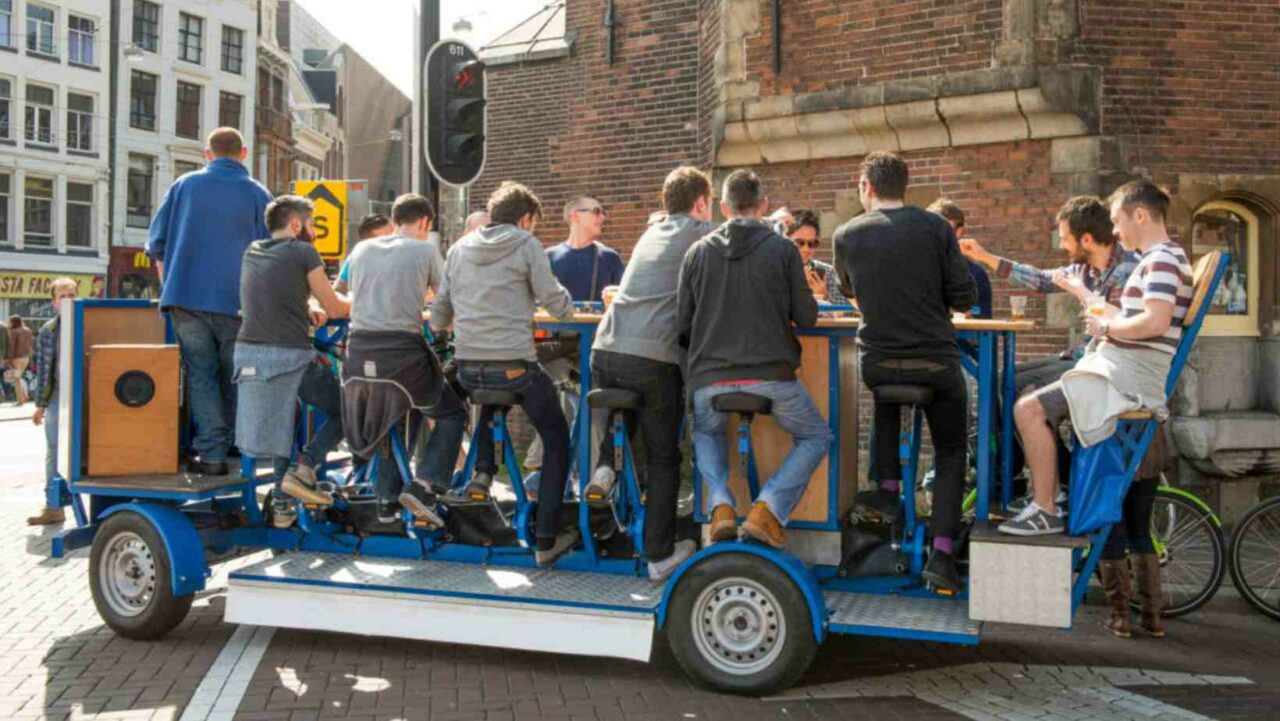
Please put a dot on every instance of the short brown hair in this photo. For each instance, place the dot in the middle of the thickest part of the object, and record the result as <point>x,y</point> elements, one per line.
<point>225,143</point>
<point>888,175</point>
<point>511,201</point>
<point>1143,193</point>
<point>948,209</point>
<point>285,208</point>
<point>743,190</point>
<point>683,187</point>
<point>804,218</point>
<point>370,223</point>
<point>1087,214</point>
<point>63,282</point>
<point>411,208</point>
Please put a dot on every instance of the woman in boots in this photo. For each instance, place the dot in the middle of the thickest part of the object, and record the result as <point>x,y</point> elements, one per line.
<point>1133,533</point>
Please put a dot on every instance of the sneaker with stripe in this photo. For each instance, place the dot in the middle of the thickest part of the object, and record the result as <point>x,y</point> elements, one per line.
<point>1034,521</point>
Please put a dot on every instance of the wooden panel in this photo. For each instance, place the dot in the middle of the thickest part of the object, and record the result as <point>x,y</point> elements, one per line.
<point>116,326</point>
<point>132,441</point>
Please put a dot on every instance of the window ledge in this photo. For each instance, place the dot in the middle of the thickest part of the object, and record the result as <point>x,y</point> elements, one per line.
<point>38,250</point>
<point>6,141</point>
<point>9,49</point>
<point>83,66</point>
<point>144,129</point>
<point>82,252</point>
<point>41,147</point>
<point>82,153</point>
<point>44,56</point>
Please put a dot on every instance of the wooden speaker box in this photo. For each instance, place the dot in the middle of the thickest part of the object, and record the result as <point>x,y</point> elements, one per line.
<point>132,410</point>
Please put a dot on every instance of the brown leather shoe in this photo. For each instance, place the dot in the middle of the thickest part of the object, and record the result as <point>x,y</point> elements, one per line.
<point>724,523</point>
<point>763,526</point>
<point>48,517</point>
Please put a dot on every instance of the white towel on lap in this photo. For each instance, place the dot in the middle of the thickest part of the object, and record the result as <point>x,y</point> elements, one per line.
<point>1109,381</point>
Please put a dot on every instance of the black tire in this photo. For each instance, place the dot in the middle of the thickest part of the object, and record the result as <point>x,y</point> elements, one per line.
<point>1253,556</point>
<point>1192,553</point>
<point>143,606</point>
<point>762,603</point>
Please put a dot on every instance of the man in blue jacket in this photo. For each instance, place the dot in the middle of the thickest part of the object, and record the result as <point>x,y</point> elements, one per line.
<point>198,237</point>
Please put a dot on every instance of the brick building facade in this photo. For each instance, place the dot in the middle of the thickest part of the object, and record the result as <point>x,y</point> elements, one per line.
<point>1006,106</point>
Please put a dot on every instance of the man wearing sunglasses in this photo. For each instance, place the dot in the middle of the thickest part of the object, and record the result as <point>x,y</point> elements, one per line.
<point>804,233</point>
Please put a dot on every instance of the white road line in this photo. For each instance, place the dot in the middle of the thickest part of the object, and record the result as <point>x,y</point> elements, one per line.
<point>219,694</point>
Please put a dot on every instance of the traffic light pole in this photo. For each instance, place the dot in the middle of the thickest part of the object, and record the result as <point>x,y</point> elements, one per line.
<point>428,35</point>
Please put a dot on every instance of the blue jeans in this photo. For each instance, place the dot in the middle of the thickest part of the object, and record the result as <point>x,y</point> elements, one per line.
<point>53,498</point>
<point>321,390</point>
<point>794,411</point>
<point>542,405</point>
<point>439,454</point>
<point>208,344</point>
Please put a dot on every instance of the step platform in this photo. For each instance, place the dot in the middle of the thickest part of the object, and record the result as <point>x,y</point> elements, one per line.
<point>917,618</point>
<point>591,614</point>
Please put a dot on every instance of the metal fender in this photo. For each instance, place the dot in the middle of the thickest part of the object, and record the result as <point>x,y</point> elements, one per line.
<point>792,566</point>
<point>187,568</point>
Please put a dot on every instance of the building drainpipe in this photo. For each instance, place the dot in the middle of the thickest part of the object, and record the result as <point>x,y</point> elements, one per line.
<point>113,83</point>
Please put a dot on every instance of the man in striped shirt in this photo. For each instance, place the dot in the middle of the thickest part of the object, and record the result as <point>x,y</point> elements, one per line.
<point>1132,349</point>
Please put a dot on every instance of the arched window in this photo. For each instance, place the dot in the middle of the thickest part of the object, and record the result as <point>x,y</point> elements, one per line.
<point>1231,228</point>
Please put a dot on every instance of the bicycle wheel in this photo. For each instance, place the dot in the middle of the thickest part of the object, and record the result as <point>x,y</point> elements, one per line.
<point>1255,557</point>
<point>1191,549</point>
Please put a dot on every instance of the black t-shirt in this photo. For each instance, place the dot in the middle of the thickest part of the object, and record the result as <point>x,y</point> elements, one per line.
<point>906,271</point>
<point>274,292</point>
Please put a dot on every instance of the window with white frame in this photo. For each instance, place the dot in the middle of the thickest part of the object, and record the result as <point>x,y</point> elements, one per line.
<point>6,208</point>
<point>232,49</point>
<point>190,38</point>
<point>79,122</point>
<point>39,114</point>
<point>146,25</point>
<point>188,125</point>
<point>6,109</point>
<point>37,212</point>
<point>6,23</point>
<point>140,191</point>
<point>40,24</point>
<point>79,215</point>
<point>81,33</point>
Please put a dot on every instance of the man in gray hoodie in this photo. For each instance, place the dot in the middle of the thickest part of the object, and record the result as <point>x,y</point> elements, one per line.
<point>636,349</point>
<point>494,279</point>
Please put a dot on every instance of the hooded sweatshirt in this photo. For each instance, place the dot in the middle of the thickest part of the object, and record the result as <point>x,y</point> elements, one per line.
<point>641,320</point>
<point>741,289</point>
<point>493,280</point>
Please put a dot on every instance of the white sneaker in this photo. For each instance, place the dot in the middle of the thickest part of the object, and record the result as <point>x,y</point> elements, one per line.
<point>601,483</point>
<point>659,570</point>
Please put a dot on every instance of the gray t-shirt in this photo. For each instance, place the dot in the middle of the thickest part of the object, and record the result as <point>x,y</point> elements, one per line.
<point>390,278</point>
<point>274,292</point>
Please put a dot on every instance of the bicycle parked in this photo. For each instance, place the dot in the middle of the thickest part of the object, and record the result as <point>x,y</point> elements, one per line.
<point>1255,557</point>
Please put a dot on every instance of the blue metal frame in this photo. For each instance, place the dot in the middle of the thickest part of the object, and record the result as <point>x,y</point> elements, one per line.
<point>801,574</point>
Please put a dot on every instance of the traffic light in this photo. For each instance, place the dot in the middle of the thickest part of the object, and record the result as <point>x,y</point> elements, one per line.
<point>455,112</point>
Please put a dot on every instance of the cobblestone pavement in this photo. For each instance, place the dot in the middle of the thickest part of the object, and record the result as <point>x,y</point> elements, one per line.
<point>58,661</point>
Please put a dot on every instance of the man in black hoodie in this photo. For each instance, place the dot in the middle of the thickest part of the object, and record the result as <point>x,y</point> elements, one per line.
<point>905,268</point>
<point>741,289</point>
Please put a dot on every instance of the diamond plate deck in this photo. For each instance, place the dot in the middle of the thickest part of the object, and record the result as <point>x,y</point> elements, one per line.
<point>457,580</point>
<point>928,619</point>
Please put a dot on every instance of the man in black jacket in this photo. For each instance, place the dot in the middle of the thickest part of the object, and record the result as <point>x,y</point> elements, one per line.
<point>741,289</point>
<point>905,268</point>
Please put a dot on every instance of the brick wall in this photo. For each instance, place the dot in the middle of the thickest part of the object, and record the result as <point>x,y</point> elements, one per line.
<point>833,43</point>
<point>578,125</point>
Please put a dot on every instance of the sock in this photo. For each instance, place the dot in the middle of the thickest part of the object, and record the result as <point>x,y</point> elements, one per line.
<point>943,544</point>
<point>890,486</point>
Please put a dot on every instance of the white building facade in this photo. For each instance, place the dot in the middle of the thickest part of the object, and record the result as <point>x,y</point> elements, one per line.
<point>190,70</point>
<point>55,63</point>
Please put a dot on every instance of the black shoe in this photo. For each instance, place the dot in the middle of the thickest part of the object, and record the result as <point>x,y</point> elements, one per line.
<point>941,573</point>
<point>421,502</point>
<point>204,468</point>
<point>886,503</point>
<point>388,512</point>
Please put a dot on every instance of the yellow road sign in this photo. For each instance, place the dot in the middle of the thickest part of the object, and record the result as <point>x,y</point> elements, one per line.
<point>330,197</point>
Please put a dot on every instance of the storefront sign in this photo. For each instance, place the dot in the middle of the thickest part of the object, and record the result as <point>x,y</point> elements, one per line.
<point>20,284</point>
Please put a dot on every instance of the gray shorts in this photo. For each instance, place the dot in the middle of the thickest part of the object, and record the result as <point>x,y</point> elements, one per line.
<point>1054,402</point>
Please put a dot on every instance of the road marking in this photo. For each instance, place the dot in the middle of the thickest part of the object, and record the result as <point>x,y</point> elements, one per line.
<point>219,694</point>
<point>986,691</point>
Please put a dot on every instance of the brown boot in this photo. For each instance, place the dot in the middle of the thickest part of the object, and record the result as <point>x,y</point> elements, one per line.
<point>763,526</point>
<point>724,523</point>
<point>48,517</point>
<point>1146,568</point>
<point>1119,589</point>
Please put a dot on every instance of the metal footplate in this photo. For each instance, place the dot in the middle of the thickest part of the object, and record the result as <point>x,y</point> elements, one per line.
<point>538,610</point>
<point>916,618</point>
